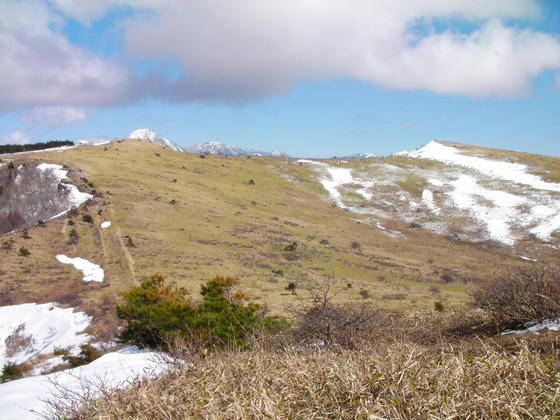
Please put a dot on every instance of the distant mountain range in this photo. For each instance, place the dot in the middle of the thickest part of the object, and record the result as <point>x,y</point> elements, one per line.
<point>217,148</point>
<point>358,156</point>
<point>210,147</point>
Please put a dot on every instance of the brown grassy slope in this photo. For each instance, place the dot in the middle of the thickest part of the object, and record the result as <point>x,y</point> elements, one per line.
<point>399,381</point>
<point>220,224</point>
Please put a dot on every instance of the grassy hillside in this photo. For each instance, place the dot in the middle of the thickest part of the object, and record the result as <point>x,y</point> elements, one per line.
<point>191,218</point>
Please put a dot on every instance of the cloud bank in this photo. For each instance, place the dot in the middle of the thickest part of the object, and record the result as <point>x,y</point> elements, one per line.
<point>231,51</point>
<point>15,137</point>
<point>54,115</point>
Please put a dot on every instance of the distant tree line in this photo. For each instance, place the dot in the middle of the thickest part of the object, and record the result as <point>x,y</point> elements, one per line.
<point>15,148</point>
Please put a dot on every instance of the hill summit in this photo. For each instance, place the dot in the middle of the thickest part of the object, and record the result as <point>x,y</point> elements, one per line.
<point>152,135</point>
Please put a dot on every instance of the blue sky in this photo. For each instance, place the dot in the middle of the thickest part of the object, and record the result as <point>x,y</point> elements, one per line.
<point>324,83</point>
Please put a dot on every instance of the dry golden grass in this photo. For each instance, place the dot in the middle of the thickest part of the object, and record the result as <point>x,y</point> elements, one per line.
<point>400,380</point>
<point>220,224</point>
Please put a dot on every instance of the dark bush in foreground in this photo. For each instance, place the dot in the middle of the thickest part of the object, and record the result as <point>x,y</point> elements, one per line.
<point>157,313</point>
<point>520,295</point>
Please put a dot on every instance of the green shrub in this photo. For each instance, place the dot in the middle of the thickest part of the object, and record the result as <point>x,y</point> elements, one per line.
<point>8,244</point>
<point>438,306</point>
<point>129,242</point>
<point>12,371</point>
<point>156,313</point>
<point>25,234</point>
<point>87,218</point>
<point>291,247</point>
<point>292,287</point>
<point>87,354</point>
<point>70,223</point>
<point>24,252</point>
<point>73,237</point>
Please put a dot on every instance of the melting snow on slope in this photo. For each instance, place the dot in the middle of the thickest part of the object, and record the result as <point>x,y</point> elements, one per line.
<point>75,196</point>
<point>337,177</point>
<point>26,398</point>
<point>105,225</point>
<point>428,200</point>
<point>508,171</point>
<point>497,218</point>
<point>39,329</point>
<point>91,271</point>
<point>549,220</point>
<point>547,324</point>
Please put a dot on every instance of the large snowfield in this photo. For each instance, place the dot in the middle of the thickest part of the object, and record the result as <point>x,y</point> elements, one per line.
<point>27,398</point>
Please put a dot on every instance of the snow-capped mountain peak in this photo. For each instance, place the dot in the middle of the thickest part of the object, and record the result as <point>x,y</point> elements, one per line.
<point>152,135</point>
<point>217,148</point>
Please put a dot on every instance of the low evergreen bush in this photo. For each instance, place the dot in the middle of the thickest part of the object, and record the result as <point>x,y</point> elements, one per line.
<point>157,313</point>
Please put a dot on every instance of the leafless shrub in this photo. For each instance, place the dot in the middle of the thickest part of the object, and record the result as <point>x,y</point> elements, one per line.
<point>519,295</point>
<point>18,341</point>
<point>319,319</point>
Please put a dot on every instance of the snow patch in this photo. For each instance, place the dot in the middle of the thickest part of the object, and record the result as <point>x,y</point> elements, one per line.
<point>508,171</point>
<point>106,225</point>
<point>26,398</point>
<point>39,329</point>
<point>91,271</point>
<point>428,200</point>
<point>532,326</point>
<point>337,177</point>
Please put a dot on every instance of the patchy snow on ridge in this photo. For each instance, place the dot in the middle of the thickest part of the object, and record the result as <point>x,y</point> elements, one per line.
<point>29,330</point>
<point>27,398</point>
<point>106,224</point>
<point>75,196</point>
<point>91,271</point>
<point>508,171</point>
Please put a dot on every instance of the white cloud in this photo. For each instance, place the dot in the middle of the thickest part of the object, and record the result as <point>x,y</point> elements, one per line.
<point>39,67</point>
<point>15,137</point>
<point>54,115</point>
<point>557,81</point>
<point>251,48</point>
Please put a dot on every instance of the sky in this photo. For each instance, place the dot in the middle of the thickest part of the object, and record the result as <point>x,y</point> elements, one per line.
<point>314,78</point>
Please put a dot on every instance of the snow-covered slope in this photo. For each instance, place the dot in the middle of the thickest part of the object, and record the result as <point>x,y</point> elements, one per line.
<point>152,135</point>
<point>217,148</point>
<point>30,330</point>
<point>28,398</point>
<point>457,190</point>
